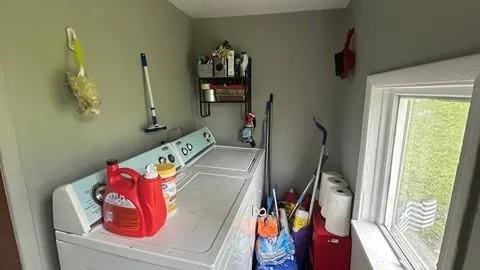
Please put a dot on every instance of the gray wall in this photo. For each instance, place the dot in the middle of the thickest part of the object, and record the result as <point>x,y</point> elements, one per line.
<point>56,144</point>
<point>396,34</point>
<point>292,58</point>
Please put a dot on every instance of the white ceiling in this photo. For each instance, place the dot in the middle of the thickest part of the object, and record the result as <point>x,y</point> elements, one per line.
<point>226,8</point>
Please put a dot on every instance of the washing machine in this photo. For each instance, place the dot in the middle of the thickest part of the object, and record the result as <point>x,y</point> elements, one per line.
<point>219,193</point>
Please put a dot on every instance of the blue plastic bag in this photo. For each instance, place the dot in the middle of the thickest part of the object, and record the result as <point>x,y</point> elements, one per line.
<point>276,253</point>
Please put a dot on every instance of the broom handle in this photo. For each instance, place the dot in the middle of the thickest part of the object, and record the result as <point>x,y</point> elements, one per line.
<point>146,78</point>
<point>323,130</point>
<point>315,185</point>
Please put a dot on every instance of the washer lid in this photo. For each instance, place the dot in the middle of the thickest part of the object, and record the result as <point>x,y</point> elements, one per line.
<point>231,158</point>
<point>203,206</point>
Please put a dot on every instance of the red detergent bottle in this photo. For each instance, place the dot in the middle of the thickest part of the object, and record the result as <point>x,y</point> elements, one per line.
<point>133,204</point>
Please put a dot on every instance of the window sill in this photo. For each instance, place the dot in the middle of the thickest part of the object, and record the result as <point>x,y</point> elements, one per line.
<point>375,247</point>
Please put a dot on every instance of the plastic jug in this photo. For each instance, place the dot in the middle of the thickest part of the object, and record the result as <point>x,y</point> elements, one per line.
<point>133,204</point>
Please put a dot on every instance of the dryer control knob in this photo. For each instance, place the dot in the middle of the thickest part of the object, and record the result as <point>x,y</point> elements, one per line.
<point>189,146</point>
<point>184,151</point>
<point>171,158</point>
<point>162,160</point>
<point>207,136</point>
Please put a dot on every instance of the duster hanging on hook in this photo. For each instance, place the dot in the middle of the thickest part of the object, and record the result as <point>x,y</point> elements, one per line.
<point>82,87</point>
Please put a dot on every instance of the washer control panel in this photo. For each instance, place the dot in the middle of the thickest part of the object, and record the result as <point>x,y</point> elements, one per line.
<point>162,154</point>
<point>189,146</point>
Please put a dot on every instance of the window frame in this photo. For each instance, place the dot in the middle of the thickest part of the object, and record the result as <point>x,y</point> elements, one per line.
<point>389,184</point>
<point>428,80</point>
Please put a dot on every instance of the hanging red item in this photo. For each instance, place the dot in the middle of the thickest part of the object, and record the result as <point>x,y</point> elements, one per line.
<point>345,60</point>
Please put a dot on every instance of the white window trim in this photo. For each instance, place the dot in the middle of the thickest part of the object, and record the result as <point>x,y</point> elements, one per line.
<point>461,72</point>
<point>15,185</point>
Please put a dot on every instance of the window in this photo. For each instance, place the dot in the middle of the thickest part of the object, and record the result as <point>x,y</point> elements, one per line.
<point>425,151</point>
<point>416,166</point>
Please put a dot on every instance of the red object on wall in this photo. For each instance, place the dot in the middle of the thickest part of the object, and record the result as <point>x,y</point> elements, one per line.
<point>133,206</point>
<point>328,251</point>
<point>345,60</point>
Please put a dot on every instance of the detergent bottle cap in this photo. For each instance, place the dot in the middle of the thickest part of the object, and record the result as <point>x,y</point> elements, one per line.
<point>151,171</point>
<point>112,161</point>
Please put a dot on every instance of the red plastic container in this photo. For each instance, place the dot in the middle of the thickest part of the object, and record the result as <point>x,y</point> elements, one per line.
<point>328,251</point>
<point>133,205</point>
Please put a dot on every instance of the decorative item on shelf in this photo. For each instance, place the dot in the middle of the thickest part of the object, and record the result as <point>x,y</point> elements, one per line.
<point>229,76</point>
<point>208,92</point>
<point>243,64</point>
<point>81,85</point>
<point>231,63</point>
<point>219,67</point>
<point>229,92</point>
<point>204,67</point>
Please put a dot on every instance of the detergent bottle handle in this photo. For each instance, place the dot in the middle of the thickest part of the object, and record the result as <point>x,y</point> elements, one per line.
<point>134,175</point>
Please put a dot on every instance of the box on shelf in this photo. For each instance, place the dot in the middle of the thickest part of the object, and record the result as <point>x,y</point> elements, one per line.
<point>205,70</point>
<point>229,92</point>
<point>231,63</point>
<point>219,67</point>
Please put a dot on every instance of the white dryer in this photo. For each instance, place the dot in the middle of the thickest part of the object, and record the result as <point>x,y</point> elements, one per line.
<point>219,190</point>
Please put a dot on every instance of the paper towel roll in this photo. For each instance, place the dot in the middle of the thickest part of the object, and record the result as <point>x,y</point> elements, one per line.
<point>330,181</point>
<point>338,211</point>
<point>323,179</point>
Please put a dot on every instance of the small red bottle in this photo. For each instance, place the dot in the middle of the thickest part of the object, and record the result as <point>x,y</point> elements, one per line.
<point>290,196</point>
<point>290,199</point>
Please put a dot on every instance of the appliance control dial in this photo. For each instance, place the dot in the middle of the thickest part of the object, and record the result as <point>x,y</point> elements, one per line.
<point>207,136</point>
<point>162,159</point>
<point>171,158</point>
<point>189,146</point>
<point>98,193</point>
<point>184,151</point>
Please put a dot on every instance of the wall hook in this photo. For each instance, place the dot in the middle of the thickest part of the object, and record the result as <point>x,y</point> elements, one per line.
<point>71,36</point>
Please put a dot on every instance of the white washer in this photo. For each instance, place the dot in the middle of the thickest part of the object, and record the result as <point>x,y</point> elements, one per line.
<point>219,190</point>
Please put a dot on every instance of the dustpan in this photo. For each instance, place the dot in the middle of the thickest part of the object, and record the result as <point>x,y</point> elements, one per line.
<point>345,60</point>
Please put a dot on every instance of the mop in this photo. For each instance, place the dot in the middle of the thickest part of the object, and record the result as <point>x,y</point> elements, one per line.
<point>323,130</point>
<point>267,143</point>
<point>82,87</point>
<point>303,236</point>
<point>154,125</point>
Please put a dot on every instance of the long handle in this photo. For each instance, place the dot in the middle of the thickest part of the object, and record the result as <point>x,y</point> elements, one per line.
<point>267,152</point>
<point>302,197</point>
<point>322,129</point>
<point>269,141</point>
<point>146,78</point>
<point>315,185</point>
<point>351,31</point>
